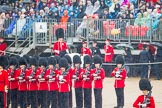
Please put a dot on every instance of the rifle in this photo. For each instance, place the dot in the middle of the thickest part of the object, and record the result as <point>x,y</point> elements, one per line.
<point>12,72</point>
<point>75,76</point>
<point>32,74</point>
<point>117,73</point>
<point>97,72</point>
<point>22,74</point>
<point>147,99</point>
<point>64,73</point>
<point>87,73</point>
<point>52,73</point>
<point>42,73</point>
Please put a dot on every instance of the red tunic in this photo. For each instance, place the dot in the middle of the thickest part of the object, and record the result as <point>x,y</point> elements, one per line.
<point>78,81</point>
<point>31,80</point>
<point>3,47</point>
<point>3,80</point>
<point>140,100</point>
<point>109,53</point>
<point>86,51</point>
<point>59,46</point>
<point>64,86</point>
<point>119,82</point>
<point>98,83</point>
<point>52,77</point>
<point>71,72</point>
<point>42,85</point>
<point>13,84</point>
<point>22,84</point>
<point>87,83</point>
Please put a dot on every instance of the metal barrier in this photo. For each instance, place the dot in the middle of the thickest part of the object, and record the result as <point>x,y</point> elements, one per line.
<point>100,29</point>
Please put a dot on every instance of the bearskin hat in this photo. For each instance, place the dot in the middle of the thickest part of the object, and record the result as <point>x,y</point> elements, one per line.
<point>43,62</point>
<point>34,61</point>
<point>97,59</point>
<point>27,58</point>
<point>59,33</point>
<point>77,59</point>
<point>119,59</point>
<point>13,61</point>
<point>144,84</point>
<point>68,59</point>
<point>57,58</point>
<point>63,63</point>
<point>52,61</point>
<point>87,59</point>
<point>3,61</point>
<point>22,61</point>
<point>62,53</point>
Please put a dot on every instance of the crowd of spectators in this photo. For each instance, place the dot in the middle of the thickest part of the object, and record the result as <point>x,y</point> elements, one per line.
<point>66,10</point>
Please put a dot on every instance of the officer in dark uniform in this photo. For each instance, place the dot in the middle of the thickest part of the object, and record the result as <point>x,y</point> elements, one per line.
<point>144,57</point>
<point>94,49</point>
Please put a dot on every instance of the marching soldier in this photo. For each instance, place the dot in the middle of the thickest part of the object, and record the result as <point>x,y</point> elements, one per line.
<point>145,100</point>
<point>77,76</point>
<point>64,86</point>
<point>87,81</point>
<point>85,50</point>
<point>70,74</point>
<point>52,77</point>
<point>13,83</point>
<point>98,76</point>
<point>22,84</point>
<point>109,54</point>
<point>60,47</point>
<point>3,82</point>
<point>42,83</point>
<point>32,82</point>
<point>120,74</point>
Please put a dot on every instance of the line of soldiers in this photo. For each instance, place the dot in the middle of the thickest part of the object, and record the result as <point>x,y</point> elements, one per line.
<point>48,82</point>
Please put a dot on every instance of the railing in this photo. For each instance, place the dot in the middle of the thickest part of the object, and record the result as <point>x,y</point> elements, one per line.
<point>118,30</point>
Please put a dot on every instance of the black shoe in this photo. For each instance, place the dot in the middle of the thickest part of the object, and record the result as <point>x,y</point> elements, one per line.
<point>115,107</point>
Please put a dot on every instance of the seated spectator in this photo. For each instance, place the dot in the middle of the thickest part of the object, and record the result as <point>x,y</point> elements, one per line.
<point>81,13</point>
<point>106,14</point>
<point>89,8</point>
<point>2,20</point>
<point>65,17</point>
<point>3,46</point>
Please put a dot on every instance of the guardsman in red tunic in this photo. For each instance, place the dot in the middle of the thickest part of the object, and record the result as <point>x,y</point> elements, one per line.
<point>3,82</point>
<point>98,76</point>
<point>77,77</point>
<point>32,82</point>
<point>120,74</point>
<point>42,83</point>
<point>60,47</point>
<point>22,84</point>
<point>71,75</point>
<point>13,82</point>
<point>109,55</point>
<point>3,46</point>
<point>64,86</point>
<point>85,50</point>
<point>52,78</point>
<point>145,100</point>
<point>87,81</point>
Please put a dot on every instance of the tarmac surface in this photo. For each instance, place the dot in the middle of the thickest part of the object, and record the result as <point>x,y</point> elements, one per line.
<point>131,91</point>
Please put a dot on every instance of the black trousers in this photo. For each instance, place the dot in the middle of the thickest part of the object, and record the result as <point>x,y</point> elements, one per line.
<point>1,99</point>
<point>33,99</point>
<point>87,98</point>
<point>70,99</point>
<point>64,100</point>
<point>12,98</point>
<point>53,99</point>
<point>120,96</point>
<point>79,97</point>
<point>98,98</point>
<point>42,98</point>
<point>22,99</point>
